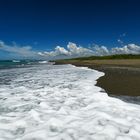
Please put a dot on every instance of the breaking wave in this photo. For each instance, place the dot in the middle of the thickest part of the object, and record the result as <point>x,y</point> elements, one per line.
<point>62,102</point>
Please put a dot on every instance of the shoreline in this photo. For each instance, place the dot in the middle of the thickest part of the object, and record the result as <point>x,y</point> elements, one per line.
<point>120,80</point>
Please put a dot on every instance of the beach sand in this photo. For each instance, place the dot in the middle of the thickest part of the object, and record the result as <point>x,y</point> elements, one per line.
<point>122,77</point>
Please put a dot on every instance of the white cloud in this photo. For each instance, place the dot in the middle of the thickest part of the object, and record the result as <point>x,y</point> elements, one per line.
<point>58,52</point>
<point>22,51</point>
<point>61,51</point>
<point>120,42</point>
<point>100,51</point>
<point>127,49</point>
<point>72,50</point>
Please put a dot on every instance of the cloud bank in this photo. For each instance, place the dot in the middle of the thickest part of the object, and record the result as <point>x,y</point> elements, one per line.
<point>71,50</point>
<point>19,51</point>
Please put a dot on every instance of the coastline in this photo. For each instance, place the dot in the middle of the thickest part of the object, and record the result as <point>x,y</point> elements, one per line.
<point>122,77</point>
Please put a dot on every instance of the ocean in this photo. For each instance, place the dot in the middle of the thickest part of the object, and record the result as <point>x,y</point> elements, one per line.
<point>41,101</point>
<point>7,64</point>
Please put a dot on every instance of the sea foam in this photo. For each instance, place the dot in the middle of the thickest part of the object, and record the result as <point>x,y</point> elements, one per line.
<point>48,102</point>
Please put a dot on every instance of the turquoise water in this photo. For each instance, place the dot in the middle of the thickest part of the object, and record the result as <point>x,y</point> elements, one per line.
<point>6,64</point>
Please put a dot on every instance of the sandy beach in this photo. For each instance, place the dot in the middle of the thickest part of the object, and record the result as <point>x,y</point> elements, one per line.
<point>122,77</point>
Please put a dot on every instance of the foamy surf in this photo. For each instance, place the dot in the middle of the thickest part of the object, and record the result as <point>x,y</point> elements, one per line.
<point>62,103</point>
<point>43,62</point>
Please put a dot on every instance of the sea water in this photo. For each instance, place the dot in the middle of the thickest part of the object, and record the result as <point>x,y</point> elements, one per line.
<point>61,102</point>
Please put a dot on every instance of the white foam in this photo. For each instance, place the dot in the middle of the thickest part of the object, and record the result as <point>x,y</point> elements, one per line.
<point>62,102</point>
<point>43,62</point>
<point>16,61</point>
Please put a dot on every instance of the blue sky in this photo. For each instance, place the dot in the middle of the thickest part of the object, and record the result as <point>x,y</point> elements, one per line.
<point>44,24</point>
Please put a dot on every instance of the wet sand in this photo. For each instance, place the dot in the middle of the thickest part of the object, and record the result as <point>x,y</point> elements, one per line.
<point>120,81</point>
<point>122,77</point>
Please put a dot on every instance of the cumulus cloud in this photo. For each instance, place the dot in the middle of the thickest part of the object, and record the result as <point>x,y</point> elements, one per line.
<point>58,52</point>
<point>74,50</point>
<point>71,51</point>
<point>23,51</point>
<point>100,50</point>
<point>127,49</point>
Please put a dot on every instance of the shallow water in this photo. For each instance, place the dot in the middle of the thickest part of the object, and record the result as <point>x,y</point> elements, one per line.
<point>62,103</point>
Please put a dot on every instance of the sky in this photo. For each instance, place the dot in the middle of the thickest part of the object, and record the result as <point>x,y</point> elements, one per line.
<point>46,28</point>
